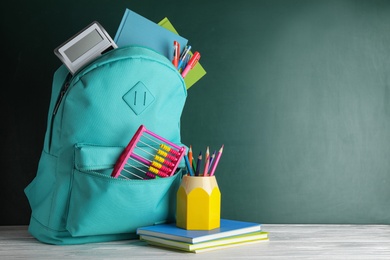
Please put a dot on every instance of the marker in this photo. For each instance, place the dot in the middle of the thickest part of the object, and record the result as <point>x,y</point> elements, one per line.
<point>183,56</point>
<point>194,59</point>
<point>176,50</point>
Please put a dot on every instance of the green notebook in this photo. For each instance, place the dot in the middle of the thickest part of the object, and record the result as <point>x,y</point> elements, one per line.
<point>198,71</point>
<point>212,243</point>
<point>205,249</point>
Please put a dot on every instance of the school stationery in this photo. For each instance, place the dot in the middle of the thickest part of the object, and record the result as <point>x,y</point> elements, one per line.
<point>176,53</point>
<point>92,116</point>
<point>210,164</point>
<point>211,160</point>
<point>190,155</point>
<point>215,164</point>
<point>148,156</point>
<point>227,228</point>
<point>206,162</point>
<point>198,71</point>
<point>198,164</point>
<point>191,64</point>
<point>135,29</point>
<point>215,243</point>
<point>189,168</point>
<point>183,57</point>
<point>206,249</point>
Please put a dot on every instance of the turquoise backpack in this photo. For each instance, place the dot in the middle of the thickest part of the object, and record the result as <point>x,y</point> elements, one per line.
<point>92,117</point>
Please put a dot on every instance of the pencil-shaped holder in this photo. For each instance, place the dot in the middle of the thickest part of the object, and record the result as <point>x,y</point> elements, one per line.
<point>198,203</point>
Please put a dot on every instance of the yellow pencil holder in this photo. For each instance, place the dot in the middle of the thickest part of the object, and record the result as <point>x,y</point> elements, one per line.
<point>198,203</point>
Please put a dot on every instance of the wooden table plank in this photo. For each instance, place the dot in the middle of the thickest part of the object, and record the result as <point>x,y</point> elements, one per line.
<point>286,242</point>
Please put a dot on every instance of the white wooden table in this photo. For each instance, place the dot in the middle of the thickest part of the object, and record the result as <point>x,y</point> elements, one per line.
<point>286,242</point>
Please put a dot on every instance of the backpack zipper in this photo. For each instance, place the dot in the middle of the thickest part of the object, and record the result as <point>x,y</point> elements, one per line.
<point>63,91</point>
<point>64,88</point>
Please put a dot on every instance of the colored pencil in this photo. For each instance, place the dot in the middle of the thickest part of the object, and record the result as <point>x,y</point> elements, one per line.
<point>212,159</point>
<point>198,164</point>
<point>190,157</point>
<point>189,168</point>
<point>216,161</point>
<point>206,162</point>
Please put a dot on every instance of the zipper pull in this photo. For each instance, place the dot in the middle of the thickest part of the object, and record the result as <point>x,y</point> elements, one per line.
<point>61,96</point>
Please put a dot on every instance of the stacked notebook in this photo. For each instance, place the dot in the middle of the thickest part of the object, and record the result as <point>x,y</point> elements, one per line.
<point>230,233</point>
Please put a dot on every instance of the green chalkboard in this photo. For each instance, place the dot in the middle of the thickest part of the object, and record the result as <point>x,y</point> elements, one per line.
<point>297,91</point>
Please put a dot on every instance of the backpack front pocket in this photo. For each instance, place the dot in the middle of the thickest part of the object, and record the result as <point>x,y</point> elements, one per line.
<point>100,204</point>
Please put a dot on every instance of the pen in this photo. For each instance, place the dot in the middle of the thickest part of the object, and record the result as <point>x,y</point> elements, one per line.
<point>185,62</point>
<point>194,59</point>
<point>216,161</point>
<point>176,47</point>
<point>183,56</point>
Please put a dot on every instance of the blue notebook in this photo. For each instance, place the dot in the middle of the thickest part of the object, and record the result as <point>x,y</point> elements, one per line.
<point>227,228</point>
<point>135,29</point>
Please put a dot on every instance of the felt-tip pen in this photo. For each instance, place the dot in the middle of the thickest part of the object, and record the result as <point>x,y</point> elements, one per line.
<point>176,54</point>
<point>183,56</point>
<point>194,59</point>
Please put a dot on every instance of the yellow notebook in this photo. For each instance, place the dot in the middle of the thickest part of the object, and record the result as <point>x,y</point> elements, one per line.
<point>195,73</point>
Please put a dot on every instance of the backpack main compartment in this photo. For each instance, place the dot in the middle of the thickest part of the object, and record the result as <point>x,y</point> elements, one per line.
<point>92,117</point>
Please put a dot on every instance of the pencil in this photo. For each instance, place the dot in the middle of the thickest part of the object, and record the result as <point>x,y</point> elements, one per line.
<point>206,161</point>
<point>193,164</point>
<point>212,159</point>
<point>190,155</point>
<point>189,168</point>
<point>216,161</point>
<point>198,164</point>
